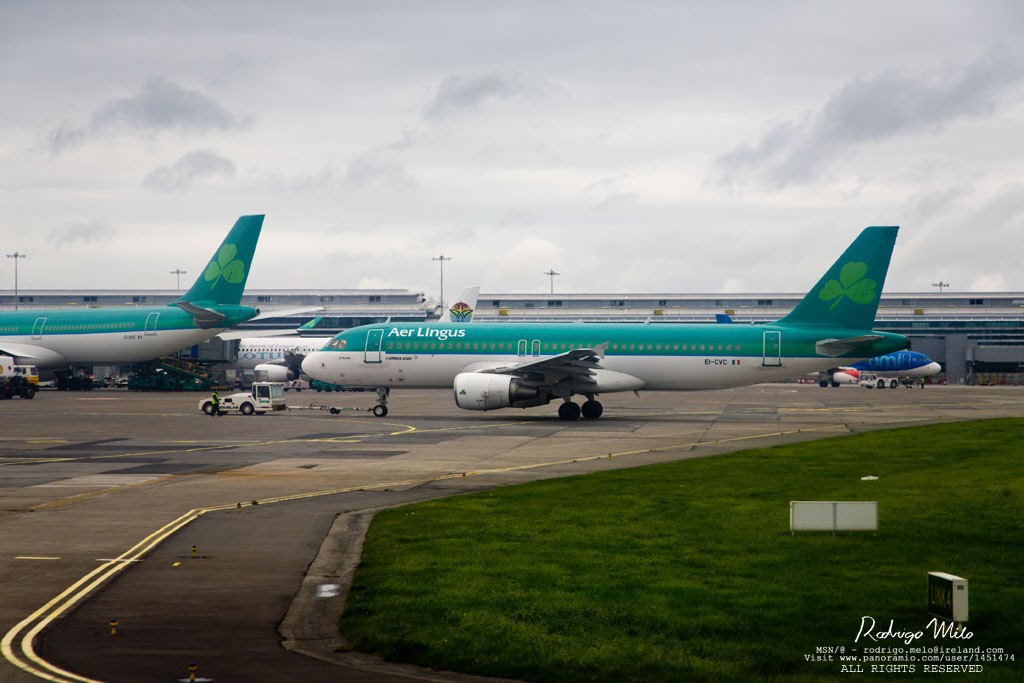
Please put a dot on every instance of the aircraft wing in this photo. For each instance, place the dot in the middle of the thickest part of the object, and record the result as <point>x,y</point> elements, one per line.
<point>837,347</point>
<point>29,354</point>
<point>577,365</point>
<point>285,312</point>
<point>232,335</point>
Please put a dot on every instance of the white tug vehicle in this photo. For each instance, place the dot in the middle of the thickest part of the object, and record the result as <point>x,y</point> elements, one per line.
<point>260,398</point>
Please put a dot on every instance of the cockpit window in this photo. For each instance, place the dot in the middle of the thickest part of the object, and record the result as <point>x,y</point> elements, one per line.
<point>335,345</point>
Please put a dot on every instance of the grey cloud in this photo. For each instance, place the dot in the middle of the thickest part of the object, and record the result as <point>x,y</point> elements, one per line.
<point>609,195</point>
<point>65,136</point>
<point>160,105</point>
<point>869,110</point>
<point>458,93</point>
<point>937,203</point>
<point>188,168</point>
<point>377,169</point>
<point>82,232</point>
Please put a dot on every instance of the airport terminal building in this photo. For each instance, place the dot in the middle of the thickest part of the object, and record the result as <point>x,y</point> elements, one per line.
<point>977,337</point>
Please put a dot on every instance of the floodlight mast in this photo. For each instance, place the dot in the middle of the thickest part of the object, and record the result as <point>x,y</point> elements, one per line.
<point>551,273</point>
<point>16,256</point>
<point>178,272</point>
<point>441,259</point>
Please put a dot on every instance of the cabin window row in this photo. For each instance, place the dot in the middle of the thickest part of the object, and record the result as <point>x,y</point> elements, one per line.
<point>557,347</point>
<point>109,327</point>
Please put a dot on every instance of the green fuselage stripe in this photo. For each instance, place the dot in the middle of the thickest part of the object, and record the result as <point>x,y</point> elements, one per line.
<point>547,339</point>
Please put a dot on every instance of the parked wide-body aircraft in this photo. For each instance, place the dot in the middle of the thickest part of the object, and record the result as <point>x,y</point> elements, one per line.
<point>279,359</point>
<point>522,365</point>
<point>55,339</point>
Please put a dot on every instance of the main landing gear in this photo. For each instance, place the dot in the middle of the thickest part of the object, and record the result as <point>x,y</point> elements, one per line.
<point>591,410</point>
<point>381,409</point>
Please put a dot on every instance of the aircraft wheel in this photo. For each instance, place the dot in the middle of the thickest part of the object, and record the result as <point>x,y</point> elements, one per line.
<point>247,409</point>
<point>823,383</point>
<point>592,410</point>
<point>569,411</point>
<point>835,384</point>
<point>380,411</point>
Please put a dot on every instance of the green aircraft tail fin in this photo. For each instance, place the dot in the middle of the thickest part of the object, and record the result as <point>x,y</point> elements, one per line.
<point>847,295</point>
<point>223,280</point>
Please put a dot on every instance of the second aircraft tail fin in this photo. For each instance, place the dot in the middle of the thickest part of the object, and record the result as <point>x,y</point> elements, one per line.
<point>462,310</point>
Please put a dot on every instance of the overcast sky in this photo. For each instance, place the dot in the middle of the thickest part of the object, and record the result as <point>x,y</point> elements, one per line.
<point>631,146</point>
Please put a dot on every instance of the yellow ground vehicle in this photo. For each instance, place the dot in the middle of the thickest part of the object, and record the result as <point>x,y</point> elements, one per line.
<point>17,380</point>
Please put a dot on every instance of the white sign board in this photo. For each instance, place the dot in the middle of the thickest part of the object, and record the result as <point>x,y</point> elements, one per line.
<point>832,515</point>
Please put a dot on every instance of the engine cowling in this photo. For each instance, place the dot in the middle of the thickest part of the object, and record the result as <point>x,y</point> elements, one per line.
<point>271,372</point>
<point>486,391</point>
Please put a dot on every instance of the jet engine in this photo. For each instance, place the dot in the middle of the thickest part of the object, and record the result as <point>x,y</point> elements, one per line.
<point>271,372</point>
<point>486,391</point>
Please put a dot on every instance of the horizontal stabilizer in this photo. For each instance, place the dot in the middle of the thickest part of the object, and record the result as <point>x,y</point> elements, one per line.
<point>839,347</point>
<point>286,312</point>
<point>205,318</point>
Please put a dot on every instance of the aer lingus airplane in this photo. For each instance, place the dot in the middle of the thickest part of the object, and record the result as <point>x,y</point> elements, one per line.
<point>279,359</point>
<point>523,365</point>
<point>55,339</point>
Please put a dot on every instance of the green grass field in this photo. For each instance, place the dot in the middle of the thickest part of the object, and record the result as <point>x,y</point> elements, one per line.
<point>687,570</point>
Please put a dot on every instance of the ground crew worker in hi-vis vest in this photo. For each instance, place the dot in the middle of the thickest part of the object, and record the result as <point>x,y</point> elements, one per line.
<point>215,405</point>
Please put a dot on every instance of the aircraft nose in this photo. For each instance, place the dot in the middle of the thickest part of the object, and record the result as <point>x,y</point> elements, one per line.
<point>312,363</point>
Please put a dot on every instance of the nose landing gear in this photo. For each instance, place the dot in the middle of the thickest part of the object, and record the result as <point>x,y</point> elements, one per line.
<point>381,409</point>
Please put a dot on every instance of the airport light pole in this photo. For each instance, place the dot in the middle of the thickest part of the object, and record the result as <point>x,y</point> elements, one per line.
<point>441,259</point>
<point>940,284</point>
<point>179,272</point>
<point>551,273</point>
<point>16,256</point>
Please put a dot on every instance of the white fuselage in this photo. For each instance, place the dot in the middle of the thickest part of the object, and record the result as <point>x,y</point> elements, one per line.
<point>657,373</point>
<point>253,351</point>
<point>102,348</point>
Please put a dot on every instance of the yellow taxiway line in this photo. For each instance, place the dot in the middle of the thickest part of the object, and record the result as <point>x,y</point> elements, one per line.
<point>28,629</point>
